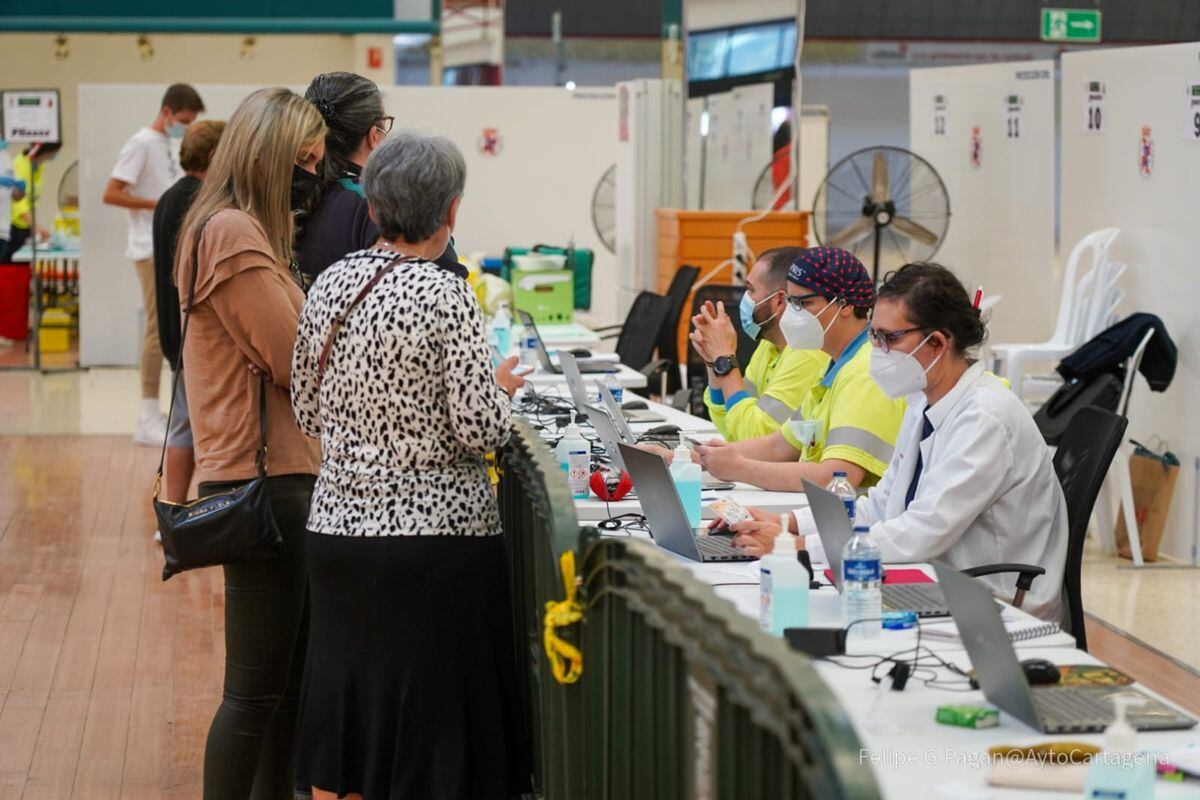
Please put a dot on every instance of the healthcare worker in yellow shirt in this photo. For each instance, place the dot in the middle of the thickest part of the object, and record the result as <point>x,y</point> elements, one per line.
<point>27,170</point>
<point>746,402</point>
<point>846,423</point>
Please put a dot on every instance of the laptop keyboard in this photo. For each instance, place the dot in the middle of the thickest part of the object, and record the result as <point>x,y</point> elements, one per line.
<point>1082,708</point>
<point>915,597</point>
<point>1067,708</point>
<point>720,548</point>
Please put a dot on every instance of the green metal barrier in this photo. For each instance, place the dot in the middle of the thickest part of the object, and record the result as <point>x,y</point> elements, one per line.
<point>681,696</point>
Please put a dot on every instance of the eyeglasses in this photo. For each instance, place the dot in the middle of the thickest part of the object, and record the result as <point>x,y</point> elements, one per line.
<point>884,340</point>
<point>385,124</point>
<point>796,301</point>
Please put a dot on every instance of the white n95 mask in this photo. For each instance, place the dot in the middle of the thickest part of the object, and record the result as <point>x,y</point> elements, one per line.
<point>900,374</point>
<point>802,329</point>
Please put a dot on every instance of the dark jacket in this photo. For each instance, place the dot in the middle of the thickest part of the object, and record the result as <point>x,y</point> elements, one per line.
<point>168,219</point>
<point>1108,351</point>
<point>339,224</point>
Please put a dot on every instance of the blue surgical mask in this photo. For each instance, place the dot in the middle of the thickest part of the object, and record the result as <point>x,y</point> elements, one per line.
<point>176,130</point>
<point>746,310</point>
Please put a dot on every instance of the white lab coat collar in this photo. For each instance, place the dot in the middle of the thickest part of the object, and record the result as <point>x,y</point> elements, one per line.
<point>939,411</point>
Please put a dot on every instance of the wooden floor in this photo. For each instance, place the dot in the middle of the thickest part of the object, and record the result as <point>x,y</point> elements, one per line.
<point>108,676</point>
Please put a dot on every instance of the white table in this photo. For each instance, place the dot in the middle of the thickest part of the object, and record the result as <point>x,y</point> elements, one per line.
<point>594,509</point>
<point>629,378</point>
<point>562,335</point>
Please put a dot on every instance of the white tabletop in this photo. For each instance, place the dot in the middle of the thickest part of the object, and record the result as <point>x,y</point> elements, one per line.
<point>559,335</point>
<point>594,509</point>
<point>45,253</point>
<point>629,378</point>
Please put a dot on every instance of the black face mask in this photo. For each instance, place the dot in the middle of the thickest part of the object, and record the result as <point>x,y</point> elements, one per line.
<point>305,187</point>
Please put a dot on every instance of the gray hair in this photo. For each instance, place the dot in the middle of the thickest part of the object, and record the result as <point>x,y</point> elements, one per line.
<point>410,181</point>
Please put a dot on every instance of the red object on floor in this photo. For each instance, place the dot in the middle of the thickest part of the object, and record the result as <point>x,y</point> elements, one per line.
<point>895,576</point>
<point>14,301</point>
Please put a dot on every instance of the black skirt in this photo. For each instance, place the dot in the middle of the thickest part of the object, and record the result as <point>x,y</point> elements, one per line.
<point>410,686</point>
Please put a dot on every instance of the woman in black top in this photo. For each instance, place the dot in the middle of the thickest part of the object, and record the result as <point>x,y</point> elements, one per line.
<point>195,152</point>
<point>332,208</point>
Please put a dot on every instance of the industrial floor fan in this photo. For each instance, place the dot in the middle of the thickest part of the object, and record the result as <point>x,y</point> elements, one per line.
<point>885,201</point>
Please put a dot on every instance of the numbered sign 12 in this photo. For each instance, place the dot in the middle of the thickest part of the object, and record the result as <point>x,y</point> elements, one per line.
<point>1012,116</point>
<point>940,115</point>
<point>1094,117</point>
<point>1191,115</point>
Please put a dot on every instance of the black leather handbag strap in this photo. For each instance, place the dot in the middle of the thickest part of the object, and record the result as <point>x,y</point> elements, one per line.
<point>260,459</point>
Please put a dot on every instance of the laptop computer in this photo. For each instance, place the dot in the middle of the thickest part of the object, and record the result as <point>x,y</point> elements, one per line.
<point>834,530</point>
<point>608,434</point>
<point>1050,709</point>
<point>585,365</point>
<point>579,394</point>
<point>618,427</point>
<point>665,515</point>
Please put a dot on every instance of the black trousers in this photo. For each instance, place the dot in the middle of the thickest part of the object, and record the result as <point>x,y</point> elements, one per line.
<point>251,744</point>
<point>17,237</point>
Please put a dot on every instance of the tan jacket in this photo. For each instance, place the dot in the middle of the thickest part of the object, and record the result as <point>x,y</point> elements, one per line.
<point>246,310</point>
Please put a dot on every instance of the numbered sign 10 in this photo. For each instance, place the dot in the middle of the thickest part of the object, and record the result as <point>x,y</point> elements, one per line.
<point>1012,116</point>
<point>940,115</point>
<point>1191,115</point>
<point>1094,120</point>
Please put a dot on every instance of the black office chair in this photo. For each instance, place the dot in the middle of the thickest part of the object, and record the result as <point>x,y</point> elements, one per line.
<point>1081,462</point>
<point>638,336</point>
<point>668,340</point>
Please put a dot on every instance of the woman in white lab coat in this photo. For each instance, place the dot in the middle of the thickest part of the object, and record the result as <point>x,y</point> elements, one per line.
<point>971,480</point>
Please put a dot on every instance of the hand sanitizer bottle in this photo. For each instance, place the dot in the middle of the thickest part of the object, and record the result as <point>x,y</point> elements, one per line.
<point>783,587</point>
<point>574,455</point>
<point>1120,771</point>
<point>686,475</point>
<point>502,330</point>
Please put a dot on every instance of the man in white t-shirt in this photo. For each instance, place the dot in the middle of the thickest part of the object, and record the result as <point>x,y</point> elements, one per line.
<point>147,167</point>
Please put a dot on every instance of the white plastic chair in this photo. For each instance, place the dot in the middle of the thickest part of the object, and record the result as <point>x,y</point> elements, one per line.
<point>1074,311</point>
<point>1118,480</point>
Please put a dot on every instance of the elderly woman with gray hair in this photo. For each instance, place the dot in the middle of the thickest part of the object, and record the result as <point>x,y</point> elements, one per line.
<point>410,686</point>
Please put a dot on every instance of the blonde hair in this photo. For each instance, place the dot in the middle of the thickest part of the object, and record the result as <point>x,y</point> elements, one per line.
<point>251,169</point>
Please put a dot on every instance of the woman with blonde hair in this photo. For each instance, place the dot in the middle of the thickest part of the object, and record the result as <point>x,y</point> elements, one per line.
<point>243,307</point>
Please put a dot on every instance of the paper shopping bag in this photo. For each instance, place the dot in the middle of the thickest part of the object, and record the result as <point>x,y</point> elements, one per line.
<point>1153,476</point>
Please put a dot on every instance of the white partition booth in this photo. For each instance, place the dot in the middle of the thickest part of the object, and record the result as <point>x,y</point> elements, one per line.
<point>1131,159</point>
<point>988,130</point>
<point>534,156</point>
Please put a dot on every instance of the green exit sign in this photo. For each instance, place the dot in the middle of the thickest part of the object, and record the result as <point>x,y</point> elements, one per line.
<point>1070,25</point>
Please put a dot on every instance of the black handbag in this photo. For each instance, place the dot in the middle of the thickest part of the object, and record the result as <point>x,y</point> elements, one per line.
<point>223,528</point>
<point>1103,390</point>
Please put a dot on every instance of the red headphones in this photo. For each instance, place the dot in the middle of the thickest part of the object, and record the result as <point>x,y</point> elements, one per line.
<point>609,488</point>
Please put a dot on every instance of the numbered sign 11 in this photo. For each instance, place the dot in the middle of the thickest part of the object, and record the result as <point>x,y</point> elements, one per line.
<point>1094,120</point>
<point>940,115</point>
<point>1012,116</point>
<point>1191,115</point>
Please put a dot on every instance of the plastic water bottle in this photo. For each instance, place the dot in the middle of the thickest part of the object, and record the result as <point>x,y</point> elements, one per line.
<point>574,455</point>
<point>686,475</point>
<point>529,353</point>
<point>844,489</point>
<point>502,330</point>
<point>862,597</point>
<point>614,387</point>
<point>783,587</point>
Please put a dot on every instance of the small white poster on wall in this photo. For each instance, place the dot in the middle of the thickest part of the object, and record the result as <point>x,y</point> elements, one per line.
<point>1094,117</point>
<point>1013,105</point>
<point>1191,113</point>
<point>31,116</point>
<point>940,114</point>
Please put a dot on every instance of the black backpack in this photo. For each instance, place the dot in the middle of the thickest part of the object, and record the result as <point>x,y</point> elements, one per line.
<point>1103,390</point>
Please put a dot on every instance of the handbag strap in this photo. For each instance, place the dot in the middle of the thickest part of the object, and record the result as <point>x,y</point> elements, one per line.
<point>260,458</point>
<point>341,318</point>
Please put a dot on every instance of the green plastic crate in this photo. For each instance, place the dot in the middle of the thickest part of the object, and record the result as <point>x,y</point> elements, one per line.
<point>580,261</point>
<point>547,296</point>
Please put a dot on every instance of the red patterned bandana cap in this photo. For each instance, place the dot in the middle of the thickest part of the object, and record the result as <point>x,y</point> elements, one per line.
<point>834,273</point>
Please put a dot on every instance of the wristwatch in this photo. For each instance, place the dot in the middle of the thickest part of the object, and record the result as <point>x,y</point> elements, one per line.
<point>723,365</point>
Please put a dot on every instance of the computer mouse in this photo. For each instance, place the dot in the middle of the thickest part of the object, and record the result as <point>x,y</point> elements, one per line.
<point>1040,672</point>
<point>581,352</point>
<point>663,430</point>
<point>635,405</point>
